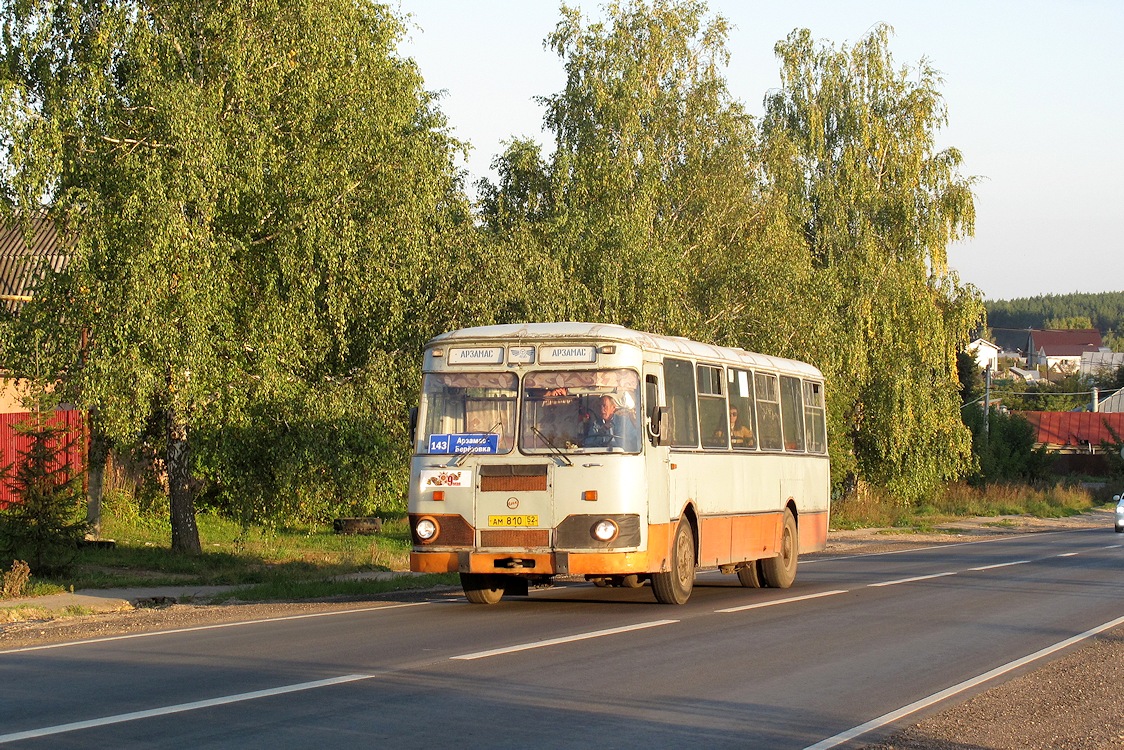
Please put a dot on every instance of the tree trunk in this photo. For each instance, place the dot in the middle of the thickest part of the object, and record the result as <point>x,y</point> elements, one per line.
<point>95,467</point>
<point>181,493</point>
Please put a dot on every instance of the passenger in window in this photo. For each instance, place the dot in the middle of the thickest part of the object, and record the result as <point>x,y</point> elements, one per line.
<point>740,434</point>
<point>610,426</point>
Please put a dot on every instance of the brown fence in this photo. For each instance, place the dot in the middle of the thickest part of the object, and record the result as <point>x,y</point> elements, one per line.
<point>13,444</point>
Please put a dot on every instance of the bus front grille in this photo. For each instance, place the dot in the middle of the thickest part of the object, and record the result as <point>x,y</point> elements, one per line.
<point>519,538</point>
<point>513,478</point>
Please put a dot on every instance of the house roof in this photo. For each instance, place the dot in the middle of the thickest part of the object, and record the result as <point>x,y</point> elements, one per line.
<point>1027,375</point>
<point>1074,428</point>
<point>982,343</point>
<point>1055,343</point>
<point>21,257</point>
<point>1114,403</point>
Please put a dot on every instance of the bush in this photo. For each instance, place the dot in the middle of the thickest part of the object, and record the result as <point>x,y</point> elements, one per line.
<point>42,526</point>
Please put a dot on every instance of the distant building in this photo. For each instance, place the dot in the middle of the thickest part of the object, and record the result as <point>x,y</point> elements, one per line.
<point>1028,376</point>
<point>986,353</point>
<point>1059,352</point>
<point>1099,364</point>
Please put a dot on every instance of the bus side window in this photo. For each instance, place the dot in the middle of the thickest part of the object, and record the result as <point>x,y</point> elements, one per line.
<point>814,423</point>
<point>743,419</point>
<point>768,411</point>
<point>792,413</point>
<point>679,380</point>
<point>712,407</point>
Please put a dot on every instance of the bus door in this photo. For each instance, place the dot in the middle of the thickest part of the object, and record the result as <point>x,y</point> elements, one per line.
<point>657,455</point>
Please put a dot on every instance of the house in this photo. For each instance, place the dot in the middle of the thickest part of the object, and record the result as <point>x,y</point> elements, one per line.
<point>986,354</point>
<point>1074,431</point>
<point>1074,438</point>
<point>24,257</point>
<point>1059,352</point>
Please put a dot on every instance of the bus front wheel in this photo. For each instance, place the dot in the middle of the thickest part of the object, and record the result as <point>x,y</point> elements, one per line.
<point>482,589</point>
<point>779,572</point>
<point>674,586</point>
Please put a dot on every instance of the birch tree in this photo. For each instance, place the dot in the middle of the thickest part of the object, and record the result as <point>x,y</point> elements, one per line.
<point>850,143</point>
<point>256,190</point>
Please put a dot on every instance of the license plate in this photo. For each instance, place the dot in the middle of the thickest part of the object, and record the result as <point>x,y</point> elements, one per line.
<point>513,521</point>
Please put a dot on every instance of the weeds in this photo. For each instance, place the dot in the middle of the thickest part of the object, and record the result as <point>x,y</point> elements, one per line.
<point>15,580</point>
<point>874,509</point>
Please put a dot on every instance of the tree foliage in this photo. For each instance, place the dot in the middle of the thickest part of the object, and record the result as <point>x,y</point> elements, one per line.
<point>270,227</point>
<point>850,142</point>
<point>258,192</point>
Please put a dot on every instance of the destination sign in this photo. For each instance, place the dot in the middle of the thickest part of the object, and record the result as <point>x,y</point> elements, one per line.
<point>472,442</point>
<point>561,354</point>
<point>477,355</point>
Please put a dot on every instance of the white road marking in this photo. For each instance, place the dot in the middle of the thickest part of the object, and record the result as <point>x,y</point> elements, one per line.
<point>1067,554</point>
<point>782,601</point>
<point>911,580</point>
<point>904,711</point>
<point>180,708</point>
<point>557,641</point>
<point>238,624</point>
<point>1002,565</point>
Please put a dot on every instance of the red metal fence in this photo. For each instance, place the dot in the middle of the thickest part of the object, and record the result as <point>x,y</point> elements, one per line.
<point>13,444</point>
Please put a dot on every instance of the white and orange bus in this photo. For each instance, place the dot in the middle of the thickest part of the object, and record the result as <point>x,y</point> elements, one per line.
<point>589,450</point>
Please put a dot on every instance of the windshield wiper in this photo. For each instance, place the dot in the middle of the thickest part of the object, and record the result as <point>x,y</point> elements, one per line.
<point>551,445</point>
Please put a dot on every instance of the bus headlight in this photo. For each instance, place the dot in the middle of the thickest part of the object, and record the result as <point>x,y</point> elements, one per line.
<point>605,530</point>
<point>426,529</point>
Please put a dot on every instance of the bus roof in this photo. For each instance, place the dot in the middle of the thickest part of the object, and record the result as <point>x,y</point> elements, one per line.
<point>526,333</point>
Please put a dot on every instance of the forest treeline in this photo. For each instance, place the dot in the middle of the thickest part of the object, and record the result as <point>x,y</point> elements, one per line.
<point>1103,311</point>
<point>270,224</point>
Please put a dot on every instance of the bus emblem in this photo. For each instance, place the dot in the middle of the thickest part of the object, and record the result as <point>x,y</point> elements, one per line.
<point>512,503</point>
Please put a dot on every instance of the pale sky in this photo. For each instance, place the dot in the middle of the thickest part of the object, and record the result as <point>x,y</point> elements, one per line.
<point>1032,88</point>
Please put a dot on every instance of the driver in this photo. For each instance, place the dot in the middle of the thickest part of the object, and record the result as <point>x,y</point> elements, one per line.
<point>609,426</point>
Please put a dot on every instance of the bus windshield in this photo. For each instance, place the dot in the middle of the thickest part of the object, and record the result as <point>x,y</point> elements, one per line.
<point>468,413</point>
<point>581,411</point>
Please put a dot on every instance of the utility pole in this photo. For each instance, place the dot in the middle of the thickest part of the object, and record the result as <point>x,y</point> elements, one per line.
<point>987,403</point>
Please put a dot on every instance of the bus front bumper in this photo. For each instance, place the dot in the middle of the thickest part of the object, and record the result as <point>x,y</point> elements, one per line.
<point>535,563</point>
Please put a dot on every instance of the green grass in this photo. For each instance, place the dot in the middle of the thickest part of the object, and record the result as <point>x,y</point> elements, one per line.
<point>873,509</point>
<point>231,555</point>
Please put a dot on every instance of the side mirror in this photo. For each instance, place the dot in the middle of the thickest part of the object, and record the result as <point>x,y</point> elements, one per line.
<point>413,425</point>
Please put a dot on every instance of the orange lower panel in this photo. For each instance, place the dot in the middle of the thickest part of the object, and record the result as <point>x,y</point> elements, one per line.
<point>813,531</point>
<point>734,539</point>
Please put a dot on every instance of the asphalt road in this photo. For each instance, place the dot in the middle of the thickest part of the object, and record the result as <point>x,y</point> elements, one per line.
<point>857,646</point>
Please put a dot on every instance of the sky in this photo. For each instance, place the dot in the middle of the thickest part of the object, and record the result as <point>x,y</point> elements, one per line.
<point>1033,91</point>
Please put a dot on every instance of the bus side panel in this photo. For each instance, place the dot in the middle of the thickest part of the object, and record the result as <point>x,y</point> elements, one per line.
<point>734,539</point>
<point>813,531</point>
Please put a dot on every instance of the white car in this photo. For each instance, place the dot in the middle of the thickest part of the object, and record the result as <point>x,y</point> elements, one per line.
<point>1119,500</point>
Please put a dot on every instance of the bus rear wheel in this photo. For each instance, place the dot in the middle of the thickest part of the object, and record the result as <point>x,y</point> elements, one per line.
<point>779,572</point>
<point>674,586</point>
<point>480,588</point>
<point>749,575</point>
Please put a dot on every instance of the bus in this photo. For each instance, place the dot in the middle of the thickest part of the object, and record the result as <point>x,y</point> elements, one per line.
<point>593,451</point>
